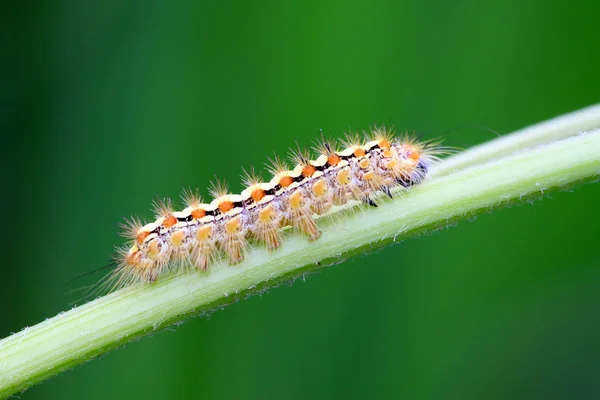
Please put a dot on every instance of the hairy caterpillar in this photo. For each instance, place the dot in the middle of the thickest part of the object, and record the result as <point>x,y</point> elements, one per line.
<point>203,233</point>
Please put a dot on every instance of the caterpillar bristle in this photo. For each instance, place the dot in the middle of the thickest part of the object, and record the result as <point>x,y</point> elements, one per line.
<point>276,166</point>
<point>352,140</point>
<point>191,198</point>
<point>130,227</point>
<point>163,208</point>
<point>218,188</point>
<point>251,178</point>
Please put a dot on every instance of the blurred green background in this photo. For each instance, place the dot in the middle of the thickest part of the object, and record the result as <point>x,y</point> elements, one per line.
<point>106,105</point>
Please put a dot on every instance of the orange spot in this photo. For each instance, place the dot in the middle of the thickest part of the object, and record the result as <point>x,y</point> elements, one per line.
<point>141,236</point>
<point>226,206</point>
<point>232,226</point>
<point>204,233</point>
<point>364,164</point>
<point>308,171</point>
<point>154,248</point>
<point>133,258</point>
<point>333,159</point>
<point>415,156</point>
<point>359,153</point>
<point>296,201</point>
<point>391,164</point>
<point>266,215</point>
<point>169,222</point>
<point>286,181</point>
<point>384,144</point>
<point>258,195</point>
<point>198,213</point>
<point>387,153</point>
<point>369,175</point>
<point>343,177</point>
<point>320,188</point>
<point>178,238</point>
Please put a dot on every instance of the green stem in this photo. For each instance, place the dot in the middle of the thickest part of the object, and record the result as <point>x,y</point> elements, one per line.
<point>80,334</point>
<point>556,128</point>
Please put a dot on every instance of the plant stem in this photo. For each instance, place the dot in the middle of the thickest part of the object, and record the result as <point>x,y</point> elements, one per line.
<point>82,333</point>
<point>556,128</point>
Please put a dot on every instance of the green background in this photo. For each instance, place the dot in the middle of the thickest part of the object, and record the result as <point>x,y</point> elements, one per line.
<point>107,105</point>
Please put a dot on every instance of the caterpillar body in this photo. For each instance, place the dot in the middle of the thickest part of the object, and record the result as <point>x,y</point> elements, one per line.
<point>203,233</point>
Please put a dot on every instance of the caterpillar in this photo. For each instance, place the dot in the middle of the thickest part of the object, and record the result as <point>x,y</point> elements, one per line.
<point>203,233</point>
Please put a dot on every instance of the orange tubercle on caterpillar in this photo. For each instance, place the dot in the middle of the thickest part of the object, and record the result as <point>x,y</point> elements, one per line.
<point>198,213</point>
<point>258,195</point>
<point>308,170</point>
<point>169,222</point>
<point>141,236</point>
<point>333,160</point>
<point>203,233</point>
<point>286,181</point>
